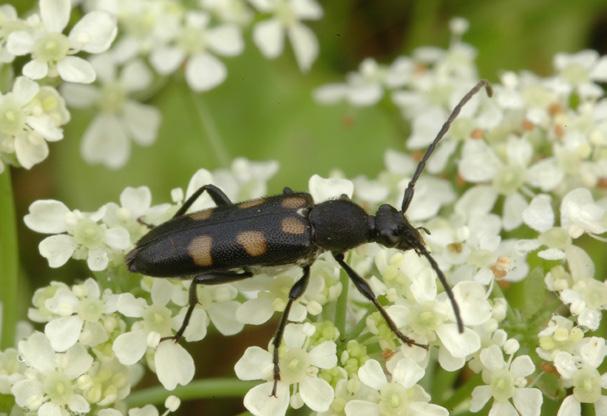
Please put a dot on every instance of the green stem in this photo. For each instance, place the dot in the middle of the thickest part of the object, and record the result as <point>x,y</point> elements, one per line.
<point>342,306</point>
<point>8,262</point>
<point>199,389</point>
<point>207,123</point>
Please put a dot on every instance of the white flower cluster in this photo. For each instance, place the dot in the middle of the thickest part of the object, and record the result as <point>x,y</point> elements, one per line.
<point>164,34</point>
<point>32,114</point>
<point>71,367</point>
<point>508,168</point>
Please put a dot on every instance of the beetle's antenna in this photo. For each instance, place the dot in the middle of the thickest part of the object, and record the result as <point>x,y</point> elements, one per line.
<point>458,316</point>
<point>422,163</point>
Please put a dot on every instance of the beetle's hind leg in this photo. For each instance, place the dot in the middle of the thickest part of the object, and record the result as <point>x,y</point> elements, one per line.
<point>218,196</point>
<point>211,278</point>
<point>364,288</point>
<point>296,291</point>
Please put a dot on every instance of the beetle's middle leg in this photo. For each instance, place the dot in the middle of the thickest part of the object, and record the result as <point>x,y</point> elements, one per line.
<point>211,278</point>
<point>296,291</point>
<point>364,288</point>
<point>217,195</point>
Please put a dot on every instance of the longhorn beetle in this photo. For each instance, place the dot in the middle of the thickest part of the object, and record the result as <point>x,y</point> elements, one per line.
<point>220,245</point>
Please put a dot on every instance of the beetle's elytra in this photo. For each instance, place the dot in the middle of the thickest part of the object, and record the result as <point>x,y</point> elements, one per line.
<point>222,244</point>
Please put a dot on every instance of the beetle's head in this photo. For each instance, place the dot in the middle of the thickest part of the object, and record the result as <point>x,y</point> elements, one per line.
<point>392,229</point>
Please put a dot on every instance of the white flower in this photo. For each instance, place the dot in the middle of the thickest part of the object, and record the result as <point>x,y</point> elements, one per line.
<point>30,116</point>
<point>197,42</point>
<point>50,387</point>
<point>53,52</point>
<point>9,22</point>
<point>581,373</point>
<point>229,11</point>
<point>581,71</point>
<point>173,364</point>
<point>559,336</point>
<point>11,369</point>
<point>402,395</point>
<point>76,234</point>
<point>366,87</point>
<point>119,117</point>
<point>539,216</point>
<point>78,317</point>
<point>269,34</point>
<point>585,296</point>
<point>300,364</point>
<point>506,381</point>
<point>580,214</point>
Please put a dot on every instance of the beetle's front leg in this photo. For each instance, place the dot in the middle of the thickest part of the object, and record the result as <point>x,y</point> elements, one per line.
<point>296,291</point>
<point>364,288</point>
<point>217,195</point>
<point>212,278</point>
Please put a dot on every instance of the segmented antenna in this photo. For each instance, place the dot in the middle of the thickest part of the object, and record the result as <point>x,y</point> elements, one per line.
<point>458,316</point>
<point>422,163</point>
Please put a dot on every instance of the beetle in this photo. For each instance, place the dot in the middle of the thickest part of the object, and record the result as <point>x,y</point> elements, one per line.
<point>223,244</point>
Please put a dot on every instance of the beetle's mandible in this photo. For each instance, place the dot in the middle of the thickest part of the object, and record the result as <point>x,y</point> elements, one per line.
<point>221,244</point>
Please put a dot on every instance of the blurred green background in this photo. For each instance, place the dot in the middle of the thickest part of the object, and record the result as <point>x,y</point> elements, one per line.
<point>265,111</point>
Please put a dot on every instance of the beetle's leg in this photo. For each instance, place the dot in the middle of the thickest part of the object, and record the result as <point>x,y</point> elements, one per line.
<point>296,291</point>
<point>364,288</point>
<point>142,222</point>
<point>216,194</point>
<point>214,278</point>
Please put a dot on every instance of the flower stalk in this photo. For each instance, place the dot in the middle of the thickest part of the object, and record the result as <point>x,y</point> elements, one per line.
<point>199,389</point>
<point>8,262</point>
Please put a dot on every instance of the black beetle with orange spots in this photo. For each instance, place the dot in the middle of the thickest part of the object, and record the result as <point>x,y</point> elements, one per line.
<point>223,244</point>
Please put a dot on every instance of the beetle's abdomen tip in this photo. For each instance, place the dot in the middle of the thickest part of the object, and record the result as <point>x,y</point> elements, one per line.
<point>130,260</point>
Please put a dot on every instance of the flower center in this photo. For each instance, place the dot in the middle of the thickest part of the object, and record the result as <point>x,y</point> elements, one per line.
<point>393,400</point>
<point>158,319</point>
<point>112,98</point>
<point>294,364</point>
<point>58,388</point>
<point>88,233</point>
<point>285,14</point>
<point>90,309</point>
<point>51,47</point>
<point>502,385</point>
<point>575,74</point>
<point>587,385</point>
<point>192,40</point>
<point>12,119</point>
<point>509,179</point>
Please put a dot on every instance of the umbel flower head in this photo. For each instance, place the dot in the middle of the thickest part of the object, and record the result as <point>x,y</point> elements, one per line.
<point>52,52</point>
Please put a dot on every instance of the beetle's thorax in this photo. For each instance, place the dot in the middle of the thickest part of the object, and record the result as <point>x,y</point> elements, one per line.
<point>340,225</point>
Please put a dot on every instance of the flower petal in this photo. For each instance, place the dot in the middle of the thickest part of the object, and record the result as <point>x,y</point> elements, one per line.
<point>142,121</point>
<point>372,374</point>
<point>528,401</point>
<point>480,397</point>
<point>20,42</point>
<point>316,393</point>
<point>75,69</point>
<point>94,33</point>
<point>226,40</point>
<point>47,216</point>
<point>174,365</point>
<point>63,333</point>
<point>260,402</point>
<point>269,37</point>
<point>223,316</point>
<point>204,72</point>
<point>570,407</point>
<point>323,189</point>
<point>305,45</point>
<point>361,408</point>
<point>324,355</point>
<point>31,149</point>
<point>459,345</point>
<point>105,141</point>
<point>37,352</point>
<point>130,347</point>
<point>255,364</point>
<point>57,249</point>
<point>55,14</point>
